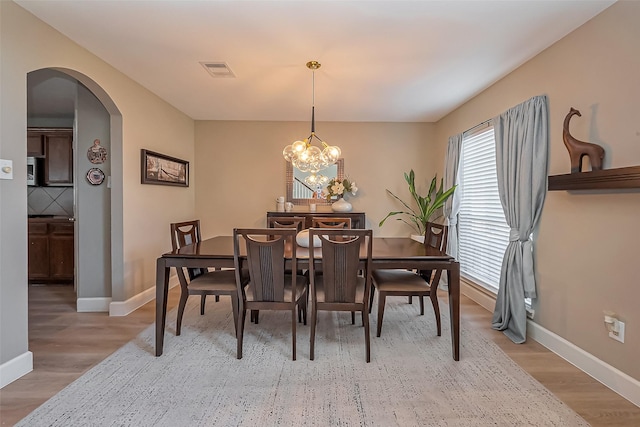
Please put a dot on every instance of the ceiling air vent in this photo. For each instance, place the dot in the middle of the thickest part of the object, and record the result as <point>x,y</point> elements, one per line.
<point>218,69</point>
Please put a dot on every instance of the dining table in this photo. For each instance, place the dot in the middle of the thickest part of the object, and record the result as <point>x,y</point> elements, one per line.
<point>388,253</point>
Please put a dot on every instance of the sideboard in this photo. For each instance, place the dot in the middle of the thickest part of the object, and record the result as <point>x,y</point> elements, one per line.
<point>357,218</point>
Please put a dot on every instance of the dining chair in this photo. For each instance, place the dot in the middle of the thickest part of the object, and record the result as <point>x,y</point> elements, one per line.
<point>340,287</point>
<point>269,287</point>
<point>296,222</point>
<point>411,283</point>
<point>333,222</point>
<point>330,222</point>
<point>201,281</point>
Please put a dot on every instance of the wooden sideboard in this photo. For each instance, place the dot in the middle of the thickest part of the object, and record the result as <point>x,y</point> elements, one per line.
<point>357,218</point>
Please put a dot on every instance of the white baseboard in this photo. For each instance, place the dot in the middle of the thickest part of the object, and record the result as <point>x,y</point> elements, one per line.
<point>90,305</point>
<point>16,368</point>
<point>616,380</point>
<point>123,308</point>
<point>488,302</point>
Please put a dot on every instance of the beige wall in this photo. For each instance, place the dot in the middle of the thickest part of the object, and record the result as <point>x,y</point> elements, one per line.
<point>27,44</point>
<point>587,252</point>
<point>241,171</point>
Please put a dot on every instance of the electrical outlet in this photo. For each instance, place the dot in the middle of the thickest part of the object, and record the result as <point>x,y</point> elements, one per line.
<point>618,332</point>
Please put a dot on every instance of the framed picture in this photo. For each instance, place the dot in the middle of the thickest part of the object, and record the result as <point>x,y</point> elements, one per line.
<point>163,170</point>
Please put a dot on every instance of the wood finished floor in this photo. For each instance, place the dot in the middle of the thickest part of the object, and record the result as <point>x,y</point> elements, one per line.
<point>65,344</point>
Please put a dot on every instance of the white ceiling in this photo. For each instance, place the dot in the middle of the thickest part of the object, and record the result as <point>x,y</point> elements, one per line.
<point>395,61</point>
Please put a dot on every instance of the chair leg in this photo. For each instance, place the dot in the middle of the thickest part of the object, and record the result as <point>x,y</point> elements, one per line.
<point>240,331</point>
<point>421,305</point>
<point>367,336</point>
<point>312,338</point>
<point>203,299</point>
<point>183,302</point>
<point>304,311</point>
<point>436,310</point>
<point>353,317</point>
<point>410,299</point>
<point>234,308</point>
<point>217,298</point>
<point>381,300</point>
<point>293,331</point>
<point>373,291</point>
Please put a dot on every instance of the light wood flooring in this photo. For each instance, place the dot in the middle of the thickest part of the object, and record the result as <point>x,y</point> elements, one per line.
<point>65,344</point>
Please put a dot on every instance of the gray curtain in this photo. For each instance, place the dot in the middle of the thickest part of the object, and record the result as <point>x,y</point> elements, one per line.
<point>452,205</point>
<point>522,144</point>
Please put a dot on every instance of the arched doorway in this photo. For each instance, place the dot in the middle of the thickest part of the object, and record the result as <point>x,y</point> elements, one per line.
<point>97,206</point>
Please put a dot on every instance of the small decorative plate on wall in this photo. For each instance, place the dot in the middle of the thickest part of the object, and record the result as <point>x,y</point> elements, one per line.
<point>95,176</point>
<point>97,153</point>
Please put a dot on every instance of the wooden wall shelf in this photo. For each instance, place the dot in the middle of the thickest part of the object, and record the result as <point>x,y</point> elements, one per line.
<point>606,179</point>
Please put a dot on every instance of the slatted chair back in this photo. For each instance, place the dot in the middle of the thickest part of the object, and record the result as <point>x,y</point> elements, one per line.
<point>296,222</point>
<point>330,222</point>
<point>265,250</point>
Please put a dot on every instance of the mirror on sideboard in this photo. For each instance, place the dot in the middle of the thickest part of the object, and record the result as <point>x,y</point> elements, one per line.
<point>301,193</point>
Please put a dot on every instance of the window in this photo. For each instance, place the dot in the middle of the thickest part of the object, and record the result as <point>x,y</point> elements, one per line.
<point>483,231</point>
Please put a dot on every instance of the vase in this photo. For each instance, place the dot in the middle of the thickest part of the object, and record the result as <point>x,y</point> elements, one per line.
<point>341,205</point>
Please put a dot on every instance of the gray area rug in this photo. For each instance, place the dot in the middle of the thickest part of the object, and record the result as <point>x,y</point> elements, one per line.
<point>412,379</point>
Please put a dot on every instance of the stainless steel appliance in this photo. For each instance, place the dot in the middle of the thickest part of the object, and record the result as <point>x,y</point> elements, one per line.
<point>33,171</point>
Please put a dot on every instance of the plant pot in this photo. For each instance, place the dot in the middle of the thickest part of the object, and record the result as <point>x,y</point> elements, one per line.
<point>341,205</point>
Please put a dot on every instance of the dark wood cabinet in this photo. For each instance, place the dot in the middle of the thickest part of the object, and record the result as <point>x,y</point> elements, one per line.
<point>51,250</point>
<point>38,251</point>
<point>56,145</point>
<point>357,218</point>
<point>35,144</point>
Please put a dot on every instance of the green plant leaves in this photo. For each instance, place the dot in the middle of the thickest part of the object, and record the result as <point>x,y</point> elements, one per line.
<point>427,205</point>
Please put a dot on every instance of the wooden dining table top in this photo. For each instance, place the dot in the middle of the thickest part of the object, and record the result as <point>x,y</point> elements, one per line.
<point>384,248</point>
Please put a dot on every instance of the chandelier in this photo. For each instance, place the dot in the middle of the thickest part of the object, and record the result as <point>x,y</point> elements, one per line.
<point>304,156</point>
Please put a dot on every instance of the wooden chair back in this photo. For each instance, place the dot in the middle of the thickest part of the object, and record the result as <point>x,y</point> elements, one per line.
<point>266,249</point>
<point>186,233</point>
<point>436,235</point>
<point>340,264</point>
<point>330,222</point>
<point>296,222</point>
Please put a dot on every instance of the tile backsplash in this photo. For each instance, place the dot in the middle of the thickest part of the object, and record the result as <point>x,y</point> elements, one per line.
<point>50,201</point>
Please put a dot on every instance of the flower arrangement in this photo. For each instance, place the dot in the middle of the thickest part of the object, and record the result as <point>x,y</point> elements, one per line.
<point>338,188</point>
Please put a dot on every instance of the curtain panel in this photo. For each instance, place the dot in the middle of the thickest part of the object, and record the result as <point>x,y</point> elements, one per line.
<point>522,145</point>
<point>452,205</point>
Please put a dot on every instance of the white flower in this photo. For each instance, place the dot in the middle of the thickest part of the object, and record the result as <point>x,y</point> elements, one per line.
<point>337,188</point>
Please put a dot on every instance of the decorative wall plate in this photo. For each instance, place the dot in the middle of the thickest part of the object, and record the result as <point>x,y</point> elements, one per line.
<point>95,176</point>
<point>97,153</point>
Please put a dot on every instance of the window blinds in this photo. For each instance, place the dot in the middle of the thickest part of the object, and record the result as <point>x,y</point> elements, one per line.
<point>483,232</point>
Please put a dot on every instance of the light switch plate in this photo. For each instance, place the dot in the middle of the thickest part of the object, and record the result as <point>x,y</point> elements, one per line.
<point>6,169</point>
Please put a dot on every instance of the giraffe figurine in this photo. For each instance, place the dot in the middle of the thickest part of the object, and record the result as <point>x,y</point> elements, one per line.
<point>578,149</point>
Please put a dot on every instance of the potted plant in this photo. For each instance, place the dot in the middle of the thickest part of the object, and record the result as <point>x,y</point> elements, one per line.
<point>427,205</point>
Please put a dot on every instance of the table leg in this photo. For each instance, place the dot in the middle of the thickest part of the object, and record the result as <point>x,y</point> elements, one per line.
<point>453,275</point>
<point>162,292</point>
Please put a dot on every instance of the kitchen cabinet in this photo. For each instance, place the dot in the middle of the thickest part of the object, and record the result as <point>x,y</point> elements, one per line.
<point>56,145</point>
<point>51,250</point>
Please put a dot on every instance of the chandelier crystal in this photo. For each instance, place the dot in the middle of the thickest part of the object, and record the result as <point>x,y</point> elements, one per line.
<point>305,156</point>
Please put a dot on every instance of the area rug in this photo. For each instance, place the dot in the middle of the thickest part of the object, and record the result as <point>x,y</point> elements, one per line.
<point>412,379</point>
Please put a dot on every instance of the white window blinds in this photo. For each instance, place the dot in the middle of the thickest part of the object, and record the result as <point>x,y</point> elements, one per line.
<point>483,232</point>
